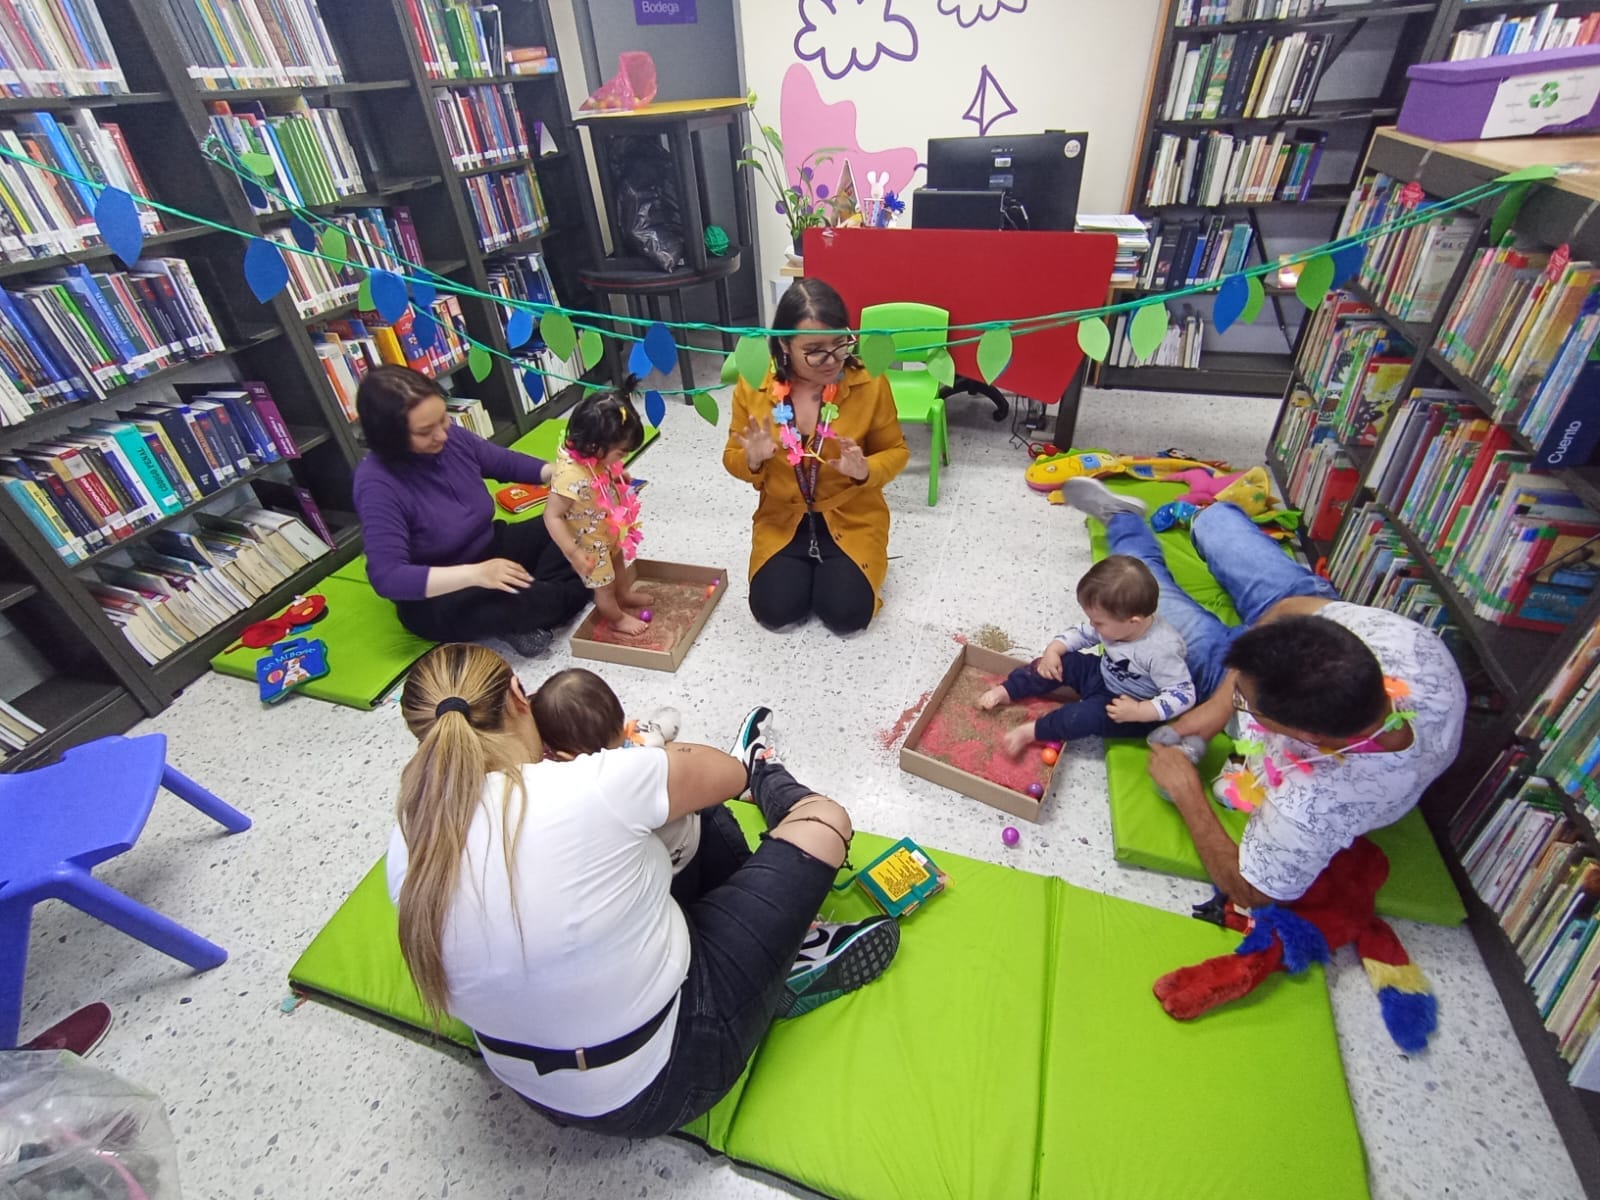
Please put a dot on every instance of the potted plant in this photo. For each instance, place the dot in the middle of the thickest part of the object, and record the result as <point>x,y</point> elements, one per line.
<point>803,203</point>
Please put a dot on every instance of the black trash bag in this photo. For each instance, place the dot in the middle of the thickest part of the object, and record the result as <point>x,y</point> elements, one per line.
<point>648,215</point>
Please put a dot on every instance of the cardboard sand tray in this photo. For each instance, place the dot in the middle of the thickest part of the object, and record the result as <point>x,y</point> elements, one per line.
<point>1012,1050</point>
<point>682,598</point>
<point>957,745</point>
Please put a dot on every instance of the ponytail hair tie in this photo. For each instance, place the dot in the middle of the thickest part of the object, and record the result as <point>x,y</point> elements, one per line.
<point>452,704</point>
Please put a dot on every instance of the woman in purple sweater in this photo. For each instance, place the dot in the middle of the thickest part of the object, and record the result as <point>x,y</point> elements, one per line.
<point>434,547</point>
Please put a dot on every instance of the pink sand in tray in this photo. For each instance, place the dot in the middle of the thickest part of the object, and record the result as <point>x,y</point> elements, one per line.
<point>674,607</point>
<point>962,735</point>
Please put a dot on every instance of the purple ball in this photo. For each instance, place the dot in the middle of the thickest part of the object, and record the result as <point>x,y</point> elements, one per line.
<point>1010,836</point>
<point>645,615</point>
<point>1036,789</point>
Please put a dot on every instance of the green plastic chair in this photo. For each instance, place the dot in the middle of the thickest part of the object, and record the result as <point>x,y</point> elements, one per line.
<point>918,397</point>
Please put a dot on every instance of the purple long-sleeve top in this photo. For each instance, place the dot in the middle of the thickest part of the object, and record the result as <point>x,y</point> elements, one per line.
<point>432,510</point>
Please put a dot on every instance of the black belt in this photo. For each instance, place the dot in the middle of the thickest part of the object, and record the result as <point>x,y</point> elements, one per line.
<point>584,1058</point>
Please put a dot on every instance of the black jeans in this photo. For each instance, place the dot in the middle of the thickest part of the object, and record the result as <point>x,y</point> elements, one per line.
<point>747,915</point>
<point>793,583</point>
<point>1085,717</point>
<point>555,594</point>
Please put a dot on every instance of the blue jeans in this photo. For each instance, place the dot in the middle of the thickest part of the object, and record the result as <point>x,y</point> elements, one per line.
<point>1084,717</point>
<point>1250,566</point>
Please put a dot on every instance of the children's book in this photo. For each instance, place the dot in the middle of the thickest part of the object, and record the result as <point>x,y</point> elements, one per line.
<point>900,879</point>
<point>290,665</point>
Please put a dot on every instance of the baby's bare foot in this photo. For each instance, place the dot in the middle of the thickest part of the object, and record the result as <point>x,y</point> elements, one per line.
<point>1016,740</point>
<point>994,697</point>
<point>629,626</point>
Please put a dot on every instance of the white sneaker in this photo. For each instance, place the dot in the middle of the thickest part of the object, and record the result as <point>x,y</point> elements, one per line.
<point>754,741</point>
<point>1097,500</point>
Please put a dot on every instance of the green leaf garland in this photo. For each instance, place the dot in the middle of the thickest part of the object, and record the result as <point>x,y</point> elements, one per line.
<point>1148,327</point>
<point>994,353</point>
<point>1094,339</point>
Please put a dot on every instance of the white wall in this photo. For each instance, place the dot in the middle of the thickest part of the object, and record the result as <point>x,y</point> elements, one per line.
<point>911,70</point>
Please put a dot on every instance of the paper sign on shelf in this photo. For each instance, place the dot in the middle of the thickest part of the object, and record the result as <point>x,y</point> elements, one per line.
<point>1527,104</point>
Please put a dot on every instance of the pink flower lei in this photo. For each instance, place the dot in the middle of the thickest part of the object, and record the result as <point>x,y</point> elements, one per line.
<point>616,500</point>
<point>783,413</point>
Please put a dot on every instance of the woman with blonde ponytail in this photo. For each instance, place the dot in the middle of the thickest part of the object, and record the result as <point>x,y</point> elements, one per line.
<point>538,907</point>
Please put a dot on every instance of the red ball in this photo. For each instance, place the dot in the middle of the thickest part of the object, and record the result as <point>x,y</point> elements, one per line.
<point>1049,756</point>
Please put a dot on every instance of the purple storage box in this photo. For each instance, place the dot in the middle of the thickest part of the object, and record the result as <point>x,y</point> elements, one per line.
<point>1511,95</point>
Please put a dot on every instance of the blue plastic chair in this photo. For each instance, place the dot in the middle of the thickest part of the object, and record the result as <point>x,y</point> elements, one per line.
<point>58,823</point>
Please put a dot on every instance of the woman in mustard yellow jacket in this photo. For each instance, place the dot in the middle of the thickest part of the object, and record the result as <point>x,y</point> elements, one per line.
<point>818,441</point>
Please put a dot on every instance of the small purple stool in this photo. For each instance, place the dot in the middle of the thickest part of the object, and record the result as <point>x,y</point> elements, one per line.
<point>59,822</point>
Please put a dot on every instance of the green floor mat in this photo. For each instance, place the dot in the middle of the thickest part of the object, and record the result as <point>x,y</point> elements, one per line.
<point>1148,832</point>
<point>368,649</point>
<point>1014,1049</point>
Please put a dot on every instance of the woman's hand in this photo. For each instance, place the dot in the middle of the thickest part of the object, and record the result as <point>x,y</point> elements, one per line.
<point>852,462</point>
<point>547,473</point>
<point>758,444</point>
<point>502,575</point>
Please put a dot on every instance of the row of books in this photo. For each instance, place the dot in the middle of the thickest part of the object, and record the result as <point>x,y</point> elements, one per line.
<point>93,486</point>
<point>17,729</point>
<point>43,213</point>
<point>1354,366</point>
<point>1218,12</point>
<point>482,125</point>
<point>1405,271</point>
<point>1531,864</point>
<point>57,49</point>
<point>79,334</point>
<point>1544,30</point>
<point>1374,566</point>
<point>1245,76</point>
<point>375,238</point>
<point>1179,348</point>
<point>457,41</point>
<point>469,414</point>
<point>1188,252</point>
<point>314,161</point>
<point>1320,483</point>
<point>1220,168</point>
<point>507,207</point>
<point>350,347</point>
<point>1513,317</point>
<point>255,43</point>
<point>1564,724</point>
<point>1513,542</point>
<point>181,584</point>
<point>1133,241</point>
<point>525,277</point>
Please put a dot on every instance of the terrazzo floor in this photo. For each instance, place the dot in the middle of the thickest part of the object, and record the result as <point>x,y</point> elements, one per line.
<point>316,1102</point>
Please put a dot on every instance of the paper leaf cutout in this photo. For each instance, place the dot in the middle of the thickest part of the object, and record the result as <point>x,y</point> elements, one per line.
<point>557,332</point>
<point>1258,297</point>
<point>118,219</point>
<point>520,328</point>
<point>639,361</point>
<point>1094,339</point>
<point>304,236</point>
<point>942,367</point>
<point>590,348</point>
<point>1506,212</point>
<point>388,295</point>
<point>750,353</point>
<point>730,371</point>
<point>1528,175</point>
<point>364,295</point>
<point>707,407</point>
<point>1316,279</point>
<point>1148,327</point>
<point>259,165</point>
<point>425,330</point>
<point>662,349</point>
<point>655,408</point>
<point>994,353</point>
<point>1232,296</point>
<point>423,294</point>
<point>878,353</point>
<point>333,243</point>
<point>479,363</point>
<point>264,269</point>
<point>254,194</point>
<point>533,384</point>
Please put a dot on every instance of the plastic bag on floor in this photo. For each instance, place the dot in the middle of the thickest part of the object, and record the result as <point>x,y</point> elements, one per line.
<point>648,215</point>
<point>633,86</point>
<point>69,1131</point>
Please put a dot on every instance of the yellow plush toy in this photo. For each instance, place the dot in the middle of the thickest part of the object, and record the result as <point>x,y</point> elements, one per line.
<point>1048,474</point>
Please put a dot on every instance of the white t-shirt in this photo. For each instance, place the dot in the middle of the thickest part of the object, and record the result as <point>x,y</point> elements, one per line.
<point>1309,816</point>
<point>602,946</point>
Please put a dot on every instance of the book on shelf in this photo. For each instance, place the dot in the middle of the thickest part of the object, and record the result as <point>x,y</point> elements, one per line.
<point>1245,76</point>
<point>291,498</point>
<point>482,125</point>
<point>1215,168</point>
<point>1405,271</point>
<point>254,43</point>
<point>349,347</point>
<point>376,239</point>
<point>507,207</point>
<point>460,41</point>
<point>1508,34</point>
<point>17,728</point>
<point>313,159</point>
<point>1353,366</point>
<point>1566,694</point>
<point>1196,251</point>
<point>469,414</point>
<point>57,49</point>
<point>1133,241</point>
<point>1372,565</point>
<point>1218,12</point>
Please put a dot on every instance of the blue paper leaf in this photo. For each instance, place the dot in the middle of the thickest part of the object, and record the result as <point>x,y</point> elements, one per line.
<point>533,384</point>
<point>655,408</point>
<point>254,194</point>
<point>1231,299</point>
<point>304,236</point>
<point>425,329</point>
<point>118,219</point>
<point>519,328</point>
<point>1347,263</point>
<point>423,294</point>
<point>663,351</point>
<point>388,294</point>
<point>264,269</point>
<point>639,361</point>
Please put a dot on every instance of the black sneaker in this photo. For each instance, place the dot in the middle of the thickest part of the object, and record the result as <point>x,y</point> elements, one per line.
<point>753,741</point>
<point>533,644</point>
<point>835,959</point>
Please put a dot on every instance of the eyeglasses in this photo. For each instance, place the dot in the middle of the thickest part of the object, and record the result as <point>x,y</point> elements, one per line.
<point>1240,704</point>
<point>830,358</point>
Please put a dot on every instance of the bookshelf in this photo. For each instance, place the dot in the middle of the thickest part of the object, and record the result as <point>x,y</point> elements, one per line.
<point>1456,16</point>
<point>1509,670</point>
<point>1349,81</point>
<point>63,663</point>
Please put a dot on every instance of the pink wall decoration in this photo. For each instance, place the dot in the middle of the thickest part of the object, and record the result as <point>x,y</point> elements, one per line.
<point>807,123</point>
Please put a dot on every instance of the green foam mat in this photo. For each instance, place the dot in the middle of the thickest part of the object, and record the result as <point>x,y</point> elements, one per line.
<point>1013,1049</point>
<point>1148,832</point>
<point>368,649</point>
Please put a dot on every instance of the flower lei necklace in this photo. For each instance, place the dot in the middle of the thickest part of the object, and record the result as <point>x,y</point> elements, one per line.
<point>616,500</point>
<point>794,445</point>
<point>1241,789</point>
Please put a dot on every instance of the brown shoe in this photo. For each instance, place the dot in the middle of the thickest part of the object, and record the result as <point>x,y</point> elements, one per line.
<point>80,1033</point>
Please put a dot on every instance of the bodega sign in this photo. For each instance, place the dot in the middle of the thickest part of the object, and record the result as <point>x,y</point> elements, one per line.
<point>664,12</point>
